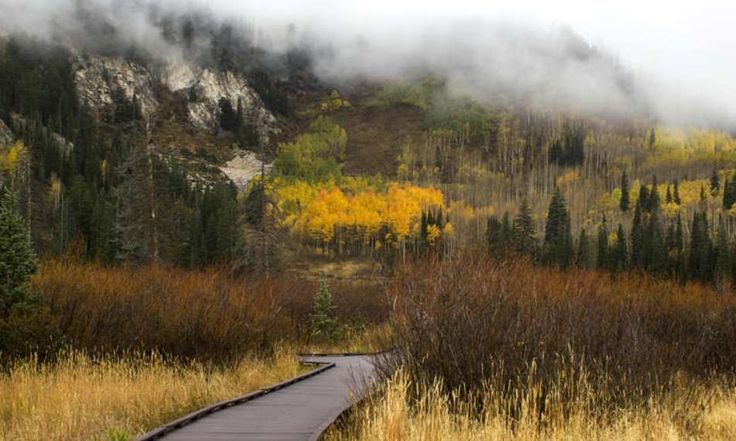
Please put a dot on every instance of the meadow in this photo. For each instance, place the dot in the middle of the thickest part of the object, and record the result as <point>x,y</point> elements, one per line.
<point>118,351</point>
<point>494,350</point>
<point>92,397</point>
<point>483,349</point>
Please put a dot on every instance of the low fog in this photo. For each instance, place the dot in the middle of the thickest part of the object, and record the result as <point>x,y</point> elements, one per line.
<point>677,63</point>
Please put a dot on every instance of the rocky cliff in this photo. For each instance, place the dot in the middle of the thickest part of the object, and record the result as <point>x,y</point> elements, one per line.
<point>99,78</point>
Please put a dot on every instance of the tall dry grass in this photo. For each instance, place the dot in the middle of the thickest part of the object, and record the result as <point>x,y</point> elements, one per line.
<point>470,321</point>
<point>153,343</point>
<point>407,411</point>
<point>507,350</point>
<point>196,314</point>
<point>82,397</point>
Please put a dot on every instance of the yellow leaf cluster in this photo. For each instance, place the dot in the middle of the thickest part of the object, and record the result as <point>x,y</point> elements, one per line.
<point>677,147</point>
<point>10,159</point>
<point>333,102</point>
<point>460,210</point>
<point>433,233</point>
<point>568,177</point>
<point>319,210</point>
<point>689,191</point>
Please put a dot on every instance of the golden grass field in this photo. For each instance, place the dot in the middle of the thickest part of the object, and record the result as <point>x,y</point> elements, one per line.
<point>508,351</point>
<point>657,365</point>
<point>405,411</point>
<point>86,398</point>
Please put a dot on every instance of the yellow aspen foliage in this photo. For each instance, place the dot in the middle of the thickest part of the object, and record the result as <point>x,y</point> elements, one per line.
<point>433,234</point>
<point>333,102</point>
<point>671,210</point>
<point>677,147</point>
<point>405,206</point>
<point>10,160</point>
<point>325,212</point>
<point>316,210</point>
<point>365,212</point>
<point>689,192</point>
<point>55,191</point>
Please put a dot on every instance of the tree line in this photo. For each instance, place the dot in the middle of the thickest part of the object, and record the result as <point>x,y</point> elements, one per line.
<point>697,249</point>
<point>95,186</point>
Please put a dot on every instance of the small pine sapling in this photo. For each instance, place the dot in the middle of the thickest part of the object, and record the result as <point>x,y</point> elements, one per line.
<point>324,322</point>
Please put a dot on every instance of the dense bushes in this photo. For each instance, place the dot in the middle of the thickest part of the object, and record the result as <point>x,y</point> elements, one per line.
<point>199,314</point>
<point>510,326</point>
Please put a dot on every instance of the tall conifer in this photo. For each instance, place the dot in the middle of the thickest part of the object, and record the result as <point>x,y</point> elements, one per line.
<point>557,234</point>
<point>624,204</point>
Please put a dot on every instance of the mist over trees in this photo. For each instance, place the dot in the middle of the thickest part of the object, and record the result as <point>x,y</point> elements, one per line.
<point>523,60</point>
<point>564,188</point>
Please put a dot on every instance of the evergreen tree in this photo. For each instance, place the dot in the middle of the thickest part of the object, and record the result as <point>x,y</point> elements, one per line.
<point>674,247</point>
<point>619,253</point>
<point>254,204</point>
<point>676,193</point>
<point>557,235</point>
<point>700,248</point>
<point>496,238</point>
<point>726,189</point>
<point>507,230</point>
<point>722,250</point>
<point>668,197</point>
<point>729,194</point>
<point>654,199</point>
<point>715,183</point>
<point>656,254</point>
<point>652,138</point>
<point>423,230</point>
<point>637,236</point>
<point>17,258</point>
<point>136,203</point>
<point>229,119</point>
<point>584,255</point>
<point>324,321</point>
<point>602,254</point>
<point>524,236</point>
<point>571,149</point>
<point>679,247</point>
<point>624,204</point>
<point>439,221</point>
<point>643,201</point>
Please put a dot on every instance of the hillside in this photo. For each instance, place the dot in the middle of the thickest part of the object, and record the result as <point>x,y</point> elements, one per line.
<point>542,229</point>
<point>150,157</point>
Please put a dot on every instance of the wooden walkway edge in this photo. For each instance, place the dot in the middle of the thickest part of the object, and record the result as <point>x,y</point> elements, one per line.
<point>301,408</point>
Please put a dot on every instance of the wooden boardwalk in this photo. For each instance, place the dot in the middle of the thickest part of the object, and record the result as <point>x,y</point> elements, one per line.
<point>298,411</point>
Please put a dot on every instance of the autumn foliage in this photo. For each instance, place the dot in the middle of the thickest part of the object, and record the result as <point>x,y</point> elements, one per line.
<point>359,215</point>
<point>469,321</point>
<point>195,314</point>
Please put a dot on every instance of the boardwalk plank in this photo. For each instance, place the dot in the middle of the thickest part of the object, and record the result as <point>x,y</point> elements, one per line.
<point>295,413</point>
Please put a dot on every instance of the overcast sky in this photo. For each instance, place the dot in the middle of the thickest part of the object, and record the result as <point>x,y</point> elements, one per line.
<point>689,46</point>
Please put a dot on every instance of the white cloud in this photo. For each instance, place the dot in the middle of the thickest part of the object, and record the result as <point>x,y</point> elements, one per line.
<point>687,48</point>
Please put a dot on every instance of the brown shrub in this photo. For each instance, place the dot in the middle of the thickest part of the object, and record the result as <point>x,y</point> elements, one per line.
<point>476,324</point>
<point>202,314</point>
